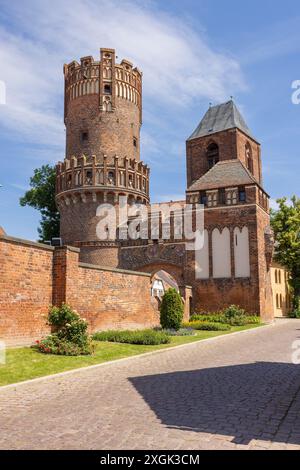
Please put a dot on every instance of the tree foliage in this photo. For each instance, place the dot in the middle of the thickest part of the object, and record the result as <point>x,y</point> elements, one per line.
<point>286,225</point>
<point>41,196</point>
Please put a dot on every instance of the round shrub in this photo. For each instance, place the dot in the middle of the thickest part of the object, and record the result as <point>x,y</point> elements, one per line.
<point>171,310</point>
<point>60,316</point>
<point>70,337</point>
<point>233,311</point>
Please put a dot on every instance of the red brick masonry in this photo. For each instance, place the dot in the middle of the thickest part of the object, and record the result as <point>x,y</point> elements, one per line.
<point>34,276</point>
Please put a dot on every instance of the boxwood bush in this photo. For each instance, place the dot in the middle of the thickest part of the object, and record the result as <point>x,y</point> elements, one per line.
<point>146,337</point>
<point>171,310</point>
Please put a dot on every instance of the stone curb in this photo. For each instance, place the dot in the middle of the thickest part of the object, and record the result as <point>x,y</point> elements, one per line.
<point>135,357</point>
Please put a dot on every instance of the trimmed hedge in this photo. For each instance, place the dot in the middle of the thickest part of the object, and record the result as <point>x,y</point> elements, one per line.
<point>233,315</point>
<point>146,337</point>
<point>214,317</point>
<point>209,326</point>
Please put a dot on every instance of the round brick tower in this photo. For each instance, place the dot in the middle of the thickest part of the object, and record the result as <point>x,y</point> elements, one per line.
<point>103,116</point>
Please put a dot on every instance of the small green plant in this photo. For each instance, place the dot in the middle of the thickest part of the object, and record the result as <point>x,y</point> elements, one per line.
<point>234,311</point>
<point>146,337</point>
<point>208,326</point>
<point>70,336</point>
<point>171,310</point>
<point>253,320</point>
<point>235,315</point>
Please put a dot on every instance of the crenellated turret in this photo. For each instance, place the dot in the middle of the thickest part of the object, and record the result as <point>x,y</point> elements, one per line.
<point>103,107</point>
<point>103,117</point>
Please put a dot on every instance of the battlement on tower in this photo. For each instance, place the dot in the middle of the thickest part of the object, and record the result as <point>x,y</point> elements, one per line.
<point>104,78</point>
<point>120,175</point>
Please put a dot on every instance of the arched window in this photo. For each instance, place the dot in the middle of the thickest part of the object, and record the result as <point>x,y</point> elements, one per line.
<point>111,177</point>
<point>248,155</point>
<point>212,155</point>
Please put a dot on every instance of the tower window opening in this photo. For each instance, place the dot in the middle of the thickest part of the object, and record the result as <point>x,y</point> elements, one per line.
<point>135,142</point>
<point>248,156</point>
<point>203,198</point>
<point>222,196</point>
<point>89,176</point>
<point>111,177</point>
<point>242,195</point>
<point>212,155</point>
<point>107,89</point>
<point>84,136</point>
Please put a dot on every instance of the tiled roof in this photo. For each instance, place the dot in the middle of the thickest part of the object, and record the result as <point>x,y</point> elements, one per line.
<point>220,118</point>
<point>224,174</point>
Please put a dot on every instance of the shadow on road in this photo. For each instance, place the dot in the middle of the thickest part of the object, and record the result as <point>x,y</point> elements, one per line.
<point>250,401</point>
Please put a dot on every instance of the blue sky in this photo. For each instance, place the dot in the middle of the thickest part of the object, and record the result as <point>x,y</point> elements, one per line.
<point>192,53</point>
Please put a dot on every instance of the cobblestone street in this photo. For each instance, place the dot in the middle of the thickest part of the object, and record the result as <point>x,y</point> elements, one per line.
<point>235,392</point>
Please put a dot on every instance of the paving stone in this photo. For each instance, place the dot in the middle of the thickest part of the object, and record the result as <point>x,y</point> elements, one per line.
<point>237,392</point>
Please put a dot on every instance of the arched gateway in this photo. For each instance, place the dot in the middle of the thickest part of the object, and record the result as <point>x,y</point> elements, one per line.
<point>167,257</point>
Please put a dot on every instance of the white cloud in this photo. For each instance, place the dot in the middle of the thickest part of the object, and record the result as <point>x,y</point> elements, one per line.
<point>179,67</point>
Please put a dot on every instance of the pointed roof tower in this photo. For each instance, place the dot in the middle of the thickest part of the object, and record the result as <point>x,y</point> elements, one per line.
<point>219,118</point>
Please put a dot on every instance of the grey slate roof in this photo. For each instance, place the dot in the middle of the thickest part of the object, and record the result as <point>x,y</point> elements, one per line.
<point>220,118</point>
<point>224,174</point>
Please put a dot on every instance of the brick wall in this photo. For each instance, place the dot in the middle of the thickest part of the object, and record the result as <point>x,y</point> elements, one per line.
<point>25,289</point>
<point>106,297</point>
<point>34,276</point>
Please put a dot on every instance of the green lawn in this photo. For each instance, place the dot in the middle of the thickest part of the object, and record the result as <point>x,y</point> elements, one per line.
<point>26,363</point>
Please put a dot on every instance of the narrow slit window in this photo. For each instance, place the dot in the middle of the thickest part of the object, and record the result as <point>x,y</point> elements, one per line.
<point>84,136</point>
